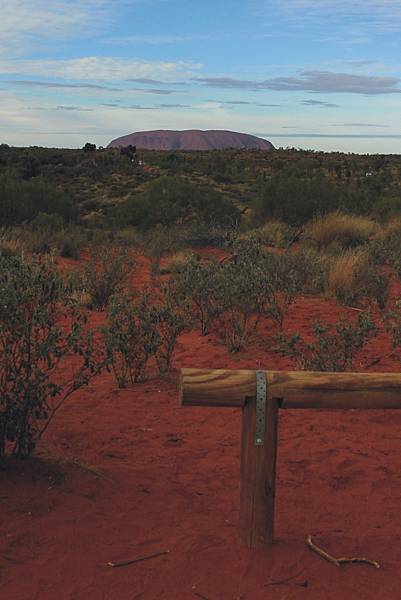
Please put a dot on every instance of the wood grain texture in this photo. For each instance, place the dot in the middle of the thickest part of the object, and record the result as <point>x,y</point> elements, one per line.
<point>292,389</point>
<point>258,476</point>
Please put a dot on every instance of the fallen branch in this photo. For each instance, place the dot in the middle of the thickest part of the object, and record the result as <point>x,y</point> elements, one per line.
<point>286,579</point>
<point>339,561</point>
<point>124,563</point>
<point>378,359</point>
<point>200,596</point>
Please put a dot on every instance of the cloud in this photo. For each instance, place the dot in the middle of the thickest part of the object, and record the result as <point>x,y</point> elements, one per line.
<point>27,24</point>
<point>319,103</point>
<point>56,85</point>
<point>174,106</point>
<point>364,136</point>
<point>146,80</point>
<point>236,102</point>
<point>366,15</point>
<point>100,68</point>
<point>142,107</point>
<point>72,108</point>
<point>358,125</point>
<point>156,91</point>
<point>312,81</point>
<point>152,39</point>
<point>245,103</point>
<point>61,107</point>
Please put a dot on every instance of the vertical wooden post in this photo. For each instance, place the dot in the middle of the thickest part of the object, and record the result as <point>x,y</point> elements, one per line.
<point>258,477</point>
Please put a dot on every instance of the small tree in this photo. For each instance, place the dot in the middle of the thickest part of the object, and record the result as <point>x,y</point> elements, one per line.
<point>197,283</point>
<point>105,275</point>
<point>172,319</point>
<point>39,328</point>
<point>131,337</point>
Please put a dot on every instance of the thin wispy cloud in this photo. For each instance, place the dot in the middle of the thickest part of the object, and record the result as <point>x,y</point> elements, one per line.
<point>101,68</point>
<point>56,85</point>
<point>374,125</point>
<point>365,15</point>
<point>25,25</point>
<point>320,103</point>
<point>312,81</point>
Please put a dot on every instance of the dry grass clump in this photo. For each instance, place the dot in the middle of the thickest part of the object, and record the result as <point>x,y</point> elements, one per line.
<point>274,233</point>
<point>10,246</point>
<point>341,230</point>
<point>176,262</point>
<point>353,278</point>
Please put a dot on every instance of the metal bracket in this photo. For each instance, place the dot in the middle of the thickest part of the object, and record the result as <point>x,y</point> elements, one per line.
<point>260,412</point>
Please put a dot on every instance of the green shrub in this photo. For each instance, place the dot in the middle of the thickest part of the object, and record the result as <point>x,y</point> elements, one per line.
<point>39,327</point>
<point>23,201</point>
<point>295,200</point>
<point>105,274</point>
<point>131,337</point>
<point>70,242</point>
<point>333,347</point>
<point>172,319</point>
<point>198,284</point>
<point>172,200</point>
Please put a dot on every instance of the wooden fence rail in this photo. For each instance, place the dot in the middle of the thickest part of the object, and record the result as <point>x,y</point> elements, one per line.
<point>284,389</point>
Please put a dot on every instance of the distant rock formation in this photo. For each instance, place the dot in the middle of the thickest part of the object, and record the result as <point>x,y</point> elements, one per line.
<point>191,139</point>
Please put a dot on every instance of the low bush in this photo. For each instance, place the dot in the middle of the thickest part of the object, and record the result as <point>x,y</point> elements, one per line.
<point>197,283</point>
<point>23,201</point>
<point>172,318</point>
<point>174,200</point>
<point>131,337</point>
<point>70,241</point>
<point>294,199</point>
<point>106,274</point>
<point>254,283</point>
<point>39,327</point>
<point>141,329</point>
<point>333,347</point>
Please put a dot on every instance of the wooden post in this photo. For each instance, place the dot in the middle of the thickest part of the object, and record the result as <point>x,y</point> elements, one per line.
<point>294,389</point>
<point>258,477</point>
<point>291,389</point>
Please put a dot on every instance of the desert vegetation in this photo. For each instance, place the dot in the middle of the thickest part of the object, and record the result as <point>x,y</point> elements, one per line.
<point>118,269</point>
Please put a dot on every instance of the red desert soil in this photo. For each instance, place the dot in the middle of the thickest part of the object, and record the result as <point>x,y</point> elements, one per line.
<point>129,473</point>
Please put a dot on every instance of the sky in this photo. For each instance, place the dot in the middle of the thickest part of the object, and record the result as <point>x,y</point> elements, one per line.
<point>311,74</point>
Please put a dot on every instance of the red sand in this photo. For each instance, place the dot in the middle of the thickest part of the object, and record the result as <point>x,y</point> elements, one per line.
<point>154,476</point>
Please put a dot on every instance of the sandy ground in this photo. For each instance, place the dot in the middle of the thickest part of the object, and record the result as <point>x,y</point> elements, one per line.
<point>128,473</point>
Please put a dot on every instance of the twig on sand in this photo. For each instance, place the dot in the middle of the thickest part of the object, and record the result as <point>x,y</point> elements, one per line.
<point>125,563</point>
<point>85,467</point>
<point>200,595</point>
<point>378,359</point>
<point>286,579</point>
<point>339,561</point>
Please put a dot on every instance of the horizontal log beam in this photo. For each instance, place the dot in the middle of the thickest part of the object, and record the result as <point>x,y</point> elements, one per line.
<point>292,389</point>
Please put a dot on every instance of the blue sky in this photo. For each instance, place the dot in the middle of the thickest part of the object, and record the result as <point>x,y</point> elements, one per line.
<point>311,74</point>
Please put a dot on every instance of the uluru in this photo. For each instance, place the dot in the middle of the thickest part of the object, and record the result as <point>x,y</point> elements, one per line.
<point>191,139</point>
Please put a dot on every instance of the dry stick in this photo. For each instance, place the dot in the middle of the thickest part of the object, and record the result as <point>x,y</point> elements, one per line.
<point>378,359</point>
<point>200,596</point>
<point>286,580</point>
<point>339,561</point>
<point>124,563</point>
